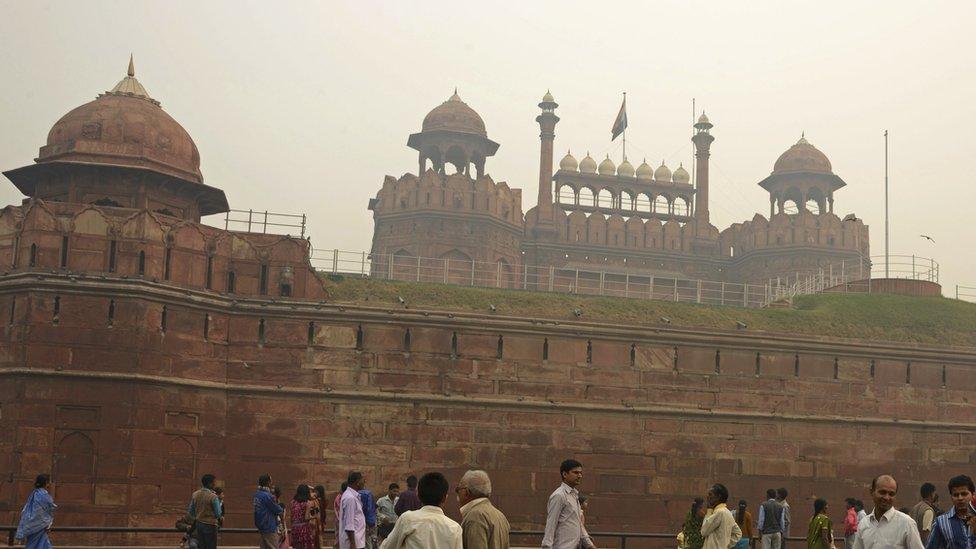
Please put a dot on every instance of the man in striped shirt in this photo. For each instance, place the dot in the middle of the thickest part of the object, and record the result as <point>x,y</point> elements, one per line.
<point>953,530</point>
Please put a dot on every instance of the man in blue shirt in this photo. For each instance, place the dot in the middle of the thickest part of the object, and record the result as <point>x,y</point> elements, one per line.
<point>369,511</point>
<point>267,512</point>
<point>952,530</point>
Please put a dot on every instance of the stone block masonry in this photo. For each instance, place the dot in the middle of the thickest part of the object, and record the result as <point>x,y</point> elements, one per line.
<point>127,416</point>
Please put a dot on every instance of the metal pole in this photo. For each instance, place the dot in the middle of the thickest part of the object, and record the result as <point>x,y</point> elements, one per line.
<point>389,268</point>
<point>472,272</point>
<point>446,268</point>
<point>250,214</point>
<point>693,120</point>
<point>650,287</point>
<point>335,261</point>
<point>627,285</point>
<point>264,229</point>
<point>576,282</point>
<point>303,226</point>
<point>886,203</point>
<point>418,268</point>
<point>552,276</point>
<point>913,267</point>
<point>226,219</point>
<point>498,275</point>
<point>676,290</point>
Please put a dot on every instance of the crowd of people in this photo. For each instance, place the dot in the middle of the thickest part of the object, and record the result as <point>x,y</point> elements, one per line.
<point>712,525</point>
<point>415,519</point>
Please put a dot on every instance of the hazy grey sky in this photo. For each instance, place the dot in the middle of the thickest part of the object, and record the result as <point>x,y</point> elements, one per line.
<point>304,107</point>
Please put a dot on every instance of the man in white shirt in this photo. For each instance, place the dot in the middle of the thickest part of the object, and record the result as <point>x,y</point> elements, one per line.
<point>719,530</point>
<point>886,527</point>
<point>352,520</point>
<point>427,527</point>
<point>564,527</point>
<point>386,510</point>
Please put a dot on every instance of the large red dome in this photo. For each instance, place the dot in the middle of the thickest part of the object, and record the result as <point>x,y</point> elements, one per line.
<point>123,129</point>
<point>456,116</point>
<point>802,157</point>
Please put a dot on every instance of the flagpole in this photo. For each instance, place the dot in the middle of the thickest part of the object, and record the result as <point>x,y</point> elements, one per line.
<point>887,260</point>
<point>625,127</point>
<point>693,180</point>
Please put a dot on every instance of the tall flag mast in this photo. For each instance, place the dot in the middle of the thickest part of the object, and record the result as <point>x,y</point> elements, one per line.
<point>694,118</point>
<point>620,125</point>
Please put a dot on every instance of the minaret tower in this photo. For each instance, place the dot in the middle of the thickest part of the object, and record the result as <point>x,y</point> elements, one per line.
<point>703,142</point>
<point>547,126</point>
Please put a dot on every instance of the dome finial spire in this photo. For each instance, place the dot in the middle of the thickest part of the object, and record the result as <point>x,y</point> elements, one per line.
<point>132,66</point>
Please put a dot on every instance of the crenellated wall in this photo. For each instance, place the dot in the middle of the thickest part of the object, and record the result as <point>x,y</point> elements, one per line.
<point>101,240</point>
<point>447,217</point>
<point>128,409</point>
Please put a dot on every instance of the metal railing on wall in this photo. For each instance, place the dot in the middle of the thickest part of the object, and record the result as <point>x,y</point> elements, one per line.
<point>254,221</point>
<point>126,534</point>
<point>855,275</point>
<point>466,272</point>
<point>966,293</point>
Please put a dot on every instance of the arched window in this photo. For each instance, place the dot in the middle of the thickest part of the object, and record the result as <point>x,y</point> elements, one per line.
<point>661,205</point>
<point>74,468</point>
<point>642,203</point>
<point>565,195</point>
<point>587,197</point>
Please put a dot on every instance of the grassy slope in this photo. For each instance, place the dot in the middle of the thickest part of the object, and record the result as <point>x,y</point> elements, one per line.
<point>875,317</point>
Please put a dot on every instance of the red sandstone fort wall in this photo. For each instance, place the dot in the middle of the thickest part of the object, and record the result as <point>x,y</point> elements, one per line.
<point>128,415</point>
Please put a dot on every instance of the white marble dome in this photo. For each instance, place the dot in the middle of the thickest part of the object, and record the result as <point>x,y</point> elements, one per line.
<point>568,162</point>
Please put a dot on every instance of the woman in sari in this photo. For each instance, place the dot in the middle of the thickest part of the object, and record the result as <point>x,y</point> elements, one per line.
<point>820,535</point>
<point>301,530</point>
<point>37,516</point>
<point>692,538</point>
<point>319,494</point>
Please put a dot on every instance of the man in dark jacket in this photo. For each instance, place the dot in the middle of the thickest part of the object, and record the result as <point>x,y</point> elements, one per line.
<point>409,500</point>
<point>266,513</point>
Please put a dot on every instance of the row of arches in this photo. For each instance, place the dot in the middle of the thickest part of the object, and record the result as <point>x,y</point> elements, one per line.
<point>793,201</point>
<point>75,465</point>
<point>634,232</point>
<point>630,201</point>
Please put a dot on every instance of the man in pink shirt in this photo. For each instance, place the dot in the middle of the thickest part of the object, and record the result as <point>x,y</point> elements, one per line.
<point>850,523</point>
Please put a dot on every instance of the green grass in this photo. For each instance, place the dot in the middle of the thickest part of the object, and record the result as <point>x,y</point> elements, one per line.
<point>861,316</point>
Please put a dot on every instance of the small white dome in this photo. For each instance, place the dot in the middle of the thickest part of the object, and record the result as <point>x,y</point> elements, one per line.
<point>681,176</point>
<point>548,98</point>
<point>587,165</point>
<point>662,174</point>
<point>625,169</point>
<point>568,162</point>
<point>645,172</point>
<point>607,167</point>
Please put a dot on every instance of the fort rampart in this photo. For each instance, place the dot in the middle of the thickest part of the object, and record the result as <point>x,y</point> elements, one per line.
<point>128,410</point>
